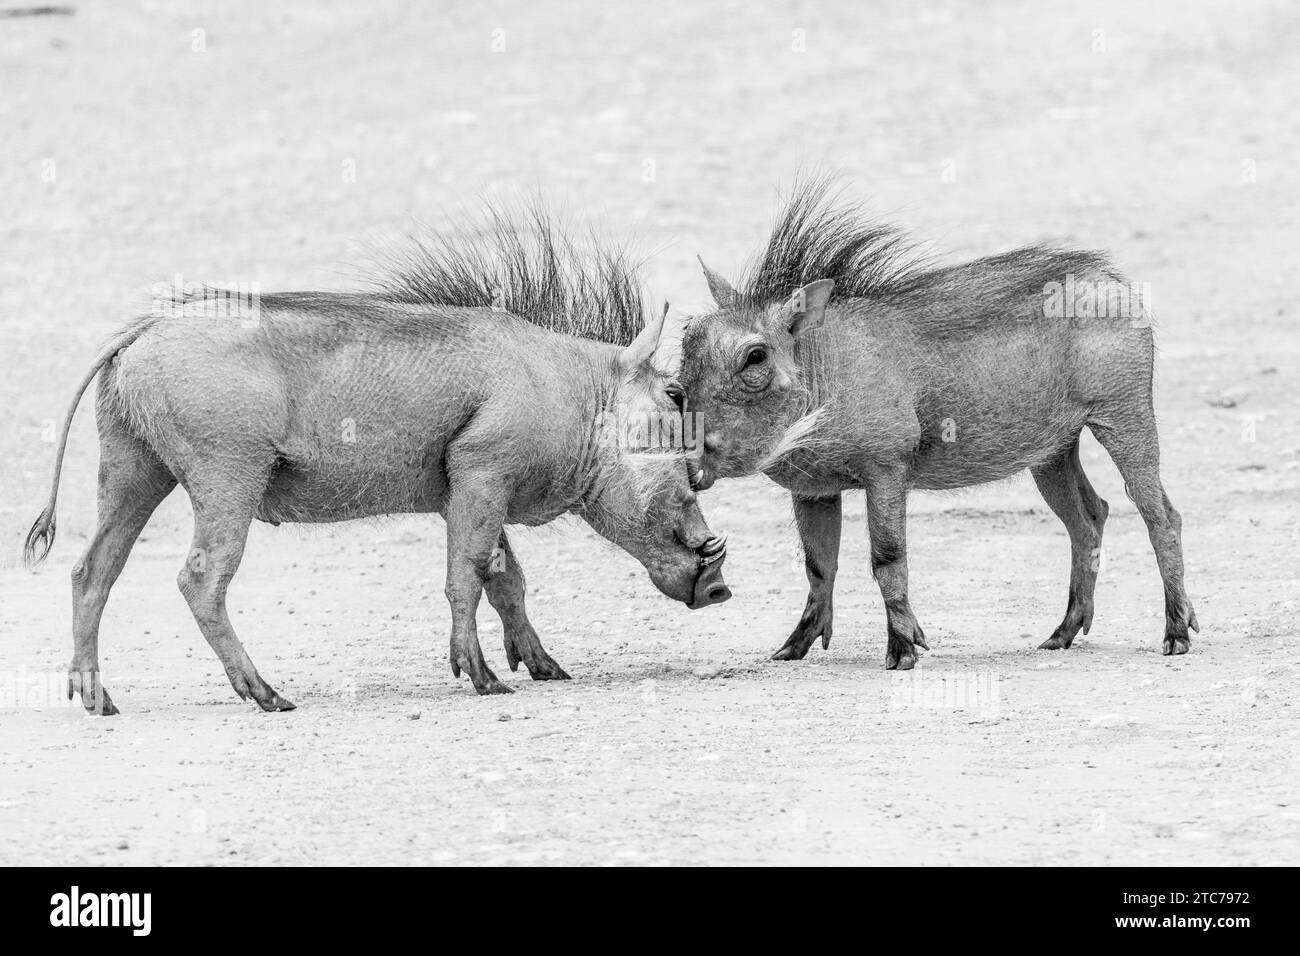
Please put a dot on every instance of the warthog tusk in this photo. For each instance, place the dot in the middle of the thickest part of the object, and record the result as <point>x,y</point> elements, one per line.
<point>713,549</point>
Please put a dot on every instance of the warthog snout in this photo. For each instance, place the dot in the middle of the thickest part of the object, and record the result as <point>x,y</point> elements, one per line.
<point>709,586</point>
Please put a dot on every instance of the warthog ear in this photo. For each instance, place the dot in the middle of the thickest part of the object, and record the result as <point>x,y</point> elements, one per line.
<point>645,344</point>
<point>807,307</point>
<point>723,294</point>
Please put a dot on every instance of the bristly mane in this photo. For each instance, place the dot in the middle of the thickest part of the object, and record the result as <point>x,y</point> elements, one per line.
<point>522,260</point>
<point>820,235</point>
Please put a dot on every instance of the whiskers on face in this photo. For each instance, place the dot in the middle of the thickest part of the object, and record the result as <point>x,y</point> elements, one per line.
<point>650,477</point>
<point>802,434</point>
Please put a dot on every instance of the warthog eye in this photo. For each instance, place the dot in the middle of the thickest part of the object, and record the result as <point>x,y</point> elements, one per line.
<point>678,395</point>
<point>756,356</point>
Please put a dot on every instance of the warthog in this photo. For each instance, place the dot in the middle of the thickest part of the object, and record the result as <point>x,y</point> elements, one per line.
<point>932,378</point>
<point>419,397</point>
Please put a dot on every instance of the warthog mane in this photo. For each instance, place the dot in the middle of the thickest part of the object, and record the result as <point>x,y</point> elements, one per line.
<point>525,261</point>
<point>819,234</point>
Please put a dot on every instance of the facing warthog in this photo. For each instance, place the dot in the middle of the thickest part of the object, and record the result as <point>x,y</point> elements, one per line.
<point>421,397</point>
<point>926,378</point>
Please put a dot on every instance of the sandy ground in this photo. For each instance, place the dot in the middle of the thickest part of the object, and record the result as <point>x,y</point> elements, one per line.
<point>1165,132</point>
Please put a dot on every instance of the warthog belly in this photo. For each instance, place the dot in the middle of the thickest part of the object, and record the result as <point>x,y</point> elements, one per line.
<point>298,493</point>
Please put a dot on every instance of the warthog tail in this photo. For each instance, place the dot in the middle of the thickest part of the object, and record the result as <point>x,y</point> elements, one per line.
<point>41,537</point>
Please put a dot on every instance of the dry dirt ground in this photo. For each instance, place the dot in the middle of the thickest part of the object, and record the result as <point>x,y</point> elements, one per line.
<point>269,146</point>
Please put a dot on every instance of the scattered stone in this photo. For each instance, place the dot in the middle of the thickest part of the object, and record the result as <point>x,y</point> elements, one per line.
<point>1228,398</point>
<point>1113,720</point>
<point>713,672</point>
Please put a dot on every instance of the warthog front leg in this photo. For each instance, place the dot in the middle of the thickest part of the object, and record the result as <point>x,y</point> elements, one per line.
<point>887,520</point>
<point>505,591</point>
<point>819,522</point>
<point>476,511</point>
<point>223,511</point>
<point>132,483</point>
<point>1069,494</point>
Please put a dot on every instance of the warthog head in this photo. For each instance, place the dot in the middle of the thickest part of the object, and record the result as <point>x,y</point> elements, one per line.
<point>741,379</point>
<point>620,460</point>
<point>739,364</point>
<point>642,499</point>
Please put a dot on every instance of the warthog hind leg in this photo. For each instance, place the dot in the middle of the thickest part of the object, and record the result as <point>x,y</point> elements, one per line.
<point>505,591</point>
<point>223,510</point>
<point>1134,446</point>
<point>1070,495</point>
<point>819,522</point>
<point>887,521</point>
<point>132,483</point>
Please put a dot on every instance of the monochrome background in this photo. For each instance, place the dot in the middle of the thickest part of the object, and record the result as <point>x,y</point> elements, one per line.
<point>276,143</point>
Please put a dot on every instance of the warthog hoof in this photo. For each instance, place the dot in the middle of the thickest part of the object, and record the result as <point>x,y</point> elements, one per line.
<point>94,695</point>
<point>816,621</point>
<point>793,650</point>
<point>900,655</point>
<point>544,668</point>
<point>484,681</point>
<point>541,666</point>
<point>266,696</point>
<point>1177,640</point>
<point>1059,641</point>
<point>275,702</point>
<point>492,686</point>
